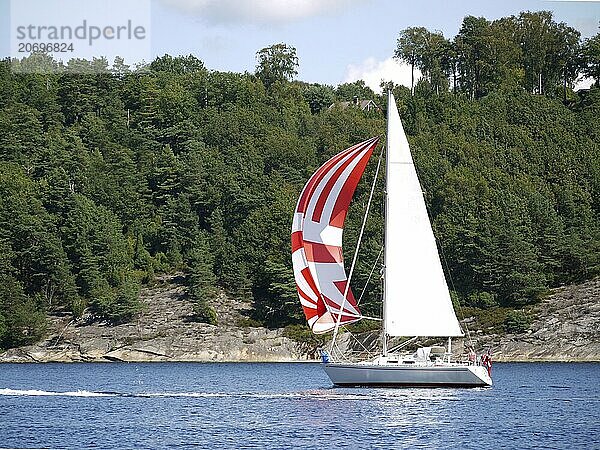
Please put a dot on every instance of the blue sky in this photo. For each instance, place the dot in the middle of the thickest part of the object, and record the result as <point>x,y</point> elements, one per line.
<point>336,40</point>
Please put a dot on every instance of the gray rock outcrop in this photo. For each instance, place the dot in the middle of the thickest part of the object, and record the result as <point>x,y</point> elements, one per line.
<point>165,331</point>
<point>566,328</point>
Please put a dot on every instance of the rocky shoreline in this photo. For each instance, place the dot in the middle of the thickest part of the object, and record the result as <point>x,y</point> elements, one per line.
<point>567,328</point>
<point>165,331</point>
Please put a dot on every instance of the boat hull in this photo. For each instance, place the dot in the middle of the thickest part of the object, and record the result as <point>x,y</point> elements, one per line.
<point>407,375</point>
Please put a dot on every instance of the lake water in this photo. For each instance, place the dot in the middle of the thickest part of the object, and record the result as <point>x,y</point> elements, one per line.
<point>180,405</point>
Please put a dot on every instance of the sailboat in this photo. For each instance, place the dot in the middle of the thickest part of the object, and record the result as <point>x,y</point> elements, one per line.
<point>416,299</point>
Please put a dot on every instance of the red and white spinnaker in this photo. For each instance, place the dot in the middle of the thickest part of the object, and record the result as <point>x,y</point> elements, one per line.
<point>317,231</point>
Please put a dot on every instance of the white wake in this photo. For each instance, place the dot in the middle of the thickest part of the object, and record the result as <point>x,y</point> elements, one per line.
<point>317,395</point>
<point>39,393</point>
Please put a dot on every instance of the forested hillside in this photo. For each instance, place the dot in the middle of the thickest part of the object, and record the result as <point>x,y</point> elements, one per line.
<point>111,176</point>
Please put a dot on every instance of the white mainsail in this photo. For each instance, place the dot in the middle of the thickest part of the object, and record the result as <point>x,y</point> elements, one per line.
<point>417,301</point>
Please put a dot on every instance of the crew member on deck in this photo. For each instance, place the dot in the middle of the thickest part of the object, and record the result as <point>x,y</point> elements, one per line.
<point>472,355</point>
<point>486,361</point>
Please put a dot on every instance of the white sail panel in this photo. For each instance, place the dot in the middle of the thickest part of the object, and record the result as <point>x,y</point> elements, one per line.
<point>417,301</point>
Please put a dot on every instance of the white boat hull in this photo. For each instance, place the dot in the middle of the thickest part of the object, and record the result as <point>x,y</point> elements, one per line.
<point>453,375</point>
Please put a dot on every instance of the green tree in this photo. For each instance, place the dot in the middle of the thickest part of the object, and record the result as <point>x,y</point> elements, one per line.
<point>357,90</point>
<point>318,97</point>
<point>474,56</point>
<point>177,65</point>
<point>21,136</point>
<point>517,322</point>
<point>202,280</point>
<point>276,297</point>
<point>37,253</point>
<point>22,321</point>
<point>549,51</point>
<point>277,62</point>
<point>591,58</point>
<point>410,48</point>
<point>101,261</point>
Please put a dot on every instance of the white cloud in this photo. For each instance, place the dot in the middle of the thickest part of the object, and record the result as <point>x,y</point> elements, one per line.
<point>373,72</point>
<point>258,11</point>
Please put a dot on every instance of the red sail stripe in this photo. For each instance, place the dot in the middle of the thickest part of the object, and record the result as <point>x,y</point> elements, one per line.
<point>340,209</point>
<point>309,279</point>
<point>345,319</point>
<point>317,177</point>
<point>325,193</point>
<point>302,294</point>
<point>309,313</point>
<point>341,285</point>
<point>350,300</point>
<point>335,306</point>
<point>296,241</point>
<point>322,253</point>
<point>321,308</point>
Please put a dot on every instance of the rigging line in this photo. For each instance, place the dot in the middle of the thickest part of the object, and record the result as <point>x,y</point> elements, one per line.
<point>362,345</point>
<point>338,354</point>
<point>362,229</point>
<point>356,316</point>
<point>365,349</point>
<point>370,275</point>
<point>344,354</point>
<point>403,344</point>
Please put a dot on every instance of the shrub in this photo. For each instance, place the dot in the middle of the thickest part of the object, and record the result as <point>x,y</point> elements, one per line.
<point>249,322</point>
<point>118,305</point>
<point>304,335</point>
<point>517,322</point>
<point>203,312</point>
<point>482,300</point>
<point>364,326</point>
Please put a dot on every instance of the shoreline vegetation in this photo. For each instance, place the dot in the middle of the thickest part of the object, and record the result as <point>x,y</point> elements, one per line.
<point>113,177</point>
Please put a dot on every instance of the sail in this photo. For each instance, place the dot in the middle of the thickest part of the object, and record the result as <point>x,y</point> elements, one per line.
<point>417,301</point>
<point>317,230</point>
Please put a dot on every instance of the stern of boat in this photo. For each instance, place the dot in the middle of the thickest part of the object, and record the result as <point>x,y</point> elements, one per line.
<point>482,374</point>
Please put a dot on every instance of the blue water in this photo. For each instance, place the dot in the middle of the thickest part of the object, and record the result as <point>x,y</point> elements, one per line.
<point>176,405</point>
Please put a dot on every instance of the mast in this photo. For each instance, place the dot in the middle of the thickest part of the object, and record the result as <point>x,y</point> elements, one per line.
<point>385,228</point>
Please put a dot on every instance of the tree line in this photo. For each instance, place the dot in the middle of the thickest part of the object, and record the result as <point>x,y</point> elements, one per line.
<point>109,175</point>
<point>530,50</point>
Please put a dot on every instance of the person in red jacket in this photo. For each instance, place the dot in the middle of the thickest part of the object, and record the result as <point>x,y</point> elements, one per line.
<point>486,361</point>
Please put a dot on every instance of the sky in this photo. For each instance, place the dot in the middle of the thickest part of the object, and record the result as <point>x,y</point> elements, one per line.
<point>336,40</point>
